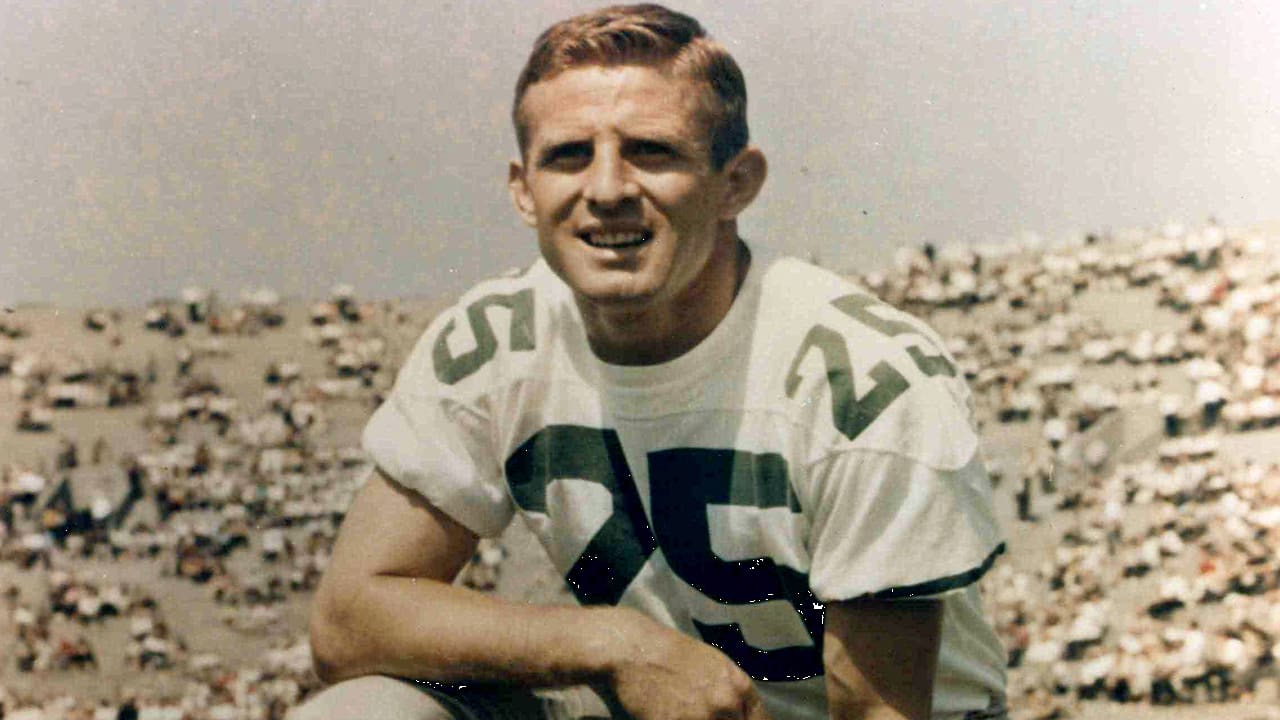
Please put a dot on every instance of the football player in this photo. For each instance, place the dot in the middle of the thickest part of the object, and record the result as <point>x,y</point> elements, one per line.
<point>763,485</point>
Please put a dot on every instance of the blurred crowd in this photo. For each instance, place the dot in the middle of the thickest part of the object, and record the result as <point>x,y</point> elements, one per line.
<point>240,495</point>
<point>1159,582</point>
<point>1155,583</point>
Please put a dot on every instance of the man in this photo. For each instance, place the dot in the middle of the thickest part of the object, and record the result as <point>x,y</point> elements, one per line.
<point>763,485</point>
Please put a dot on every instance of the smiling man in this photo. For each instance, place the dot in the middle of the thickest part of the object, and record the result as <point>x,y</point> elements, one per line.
<point>763,486</point>
<point>632,211</point>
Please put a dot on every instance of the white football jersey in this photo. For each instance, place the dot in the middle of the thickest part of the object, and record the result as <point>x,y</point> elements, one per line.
<point>817,446</point>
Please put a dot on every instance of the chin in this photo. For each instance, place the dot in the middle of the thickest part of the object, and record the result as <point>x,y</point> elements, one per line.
<point>621,298</point>
<point>613,294</point>
<point>607,285</point>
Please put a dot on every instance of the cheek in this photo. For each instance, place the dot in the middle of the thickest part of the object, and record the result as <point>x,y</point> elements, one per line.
<point>692,203</point>
<point>556,209</point>
<point>552,198</point>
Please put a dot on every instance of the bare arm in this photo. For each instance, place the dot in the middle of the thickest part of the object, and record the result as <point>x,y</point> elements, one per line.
<point>387,606</point>
<point>880,658</point>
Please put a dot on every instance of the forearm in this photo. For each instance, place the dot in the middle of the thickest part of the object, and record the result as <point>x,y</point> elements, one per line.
<point>880,658</point>
<point>420,628</point>
<point>853,696</point>
<point>855,702</point>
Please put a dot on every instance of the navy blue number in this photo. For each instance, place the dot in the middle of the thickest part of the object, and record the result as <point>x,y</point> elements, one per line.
<point>683,483</point>
<point>624,543</point>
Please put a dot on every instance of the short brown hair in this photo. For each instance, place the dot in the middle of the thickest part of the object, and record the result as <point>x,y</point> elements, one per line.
<point>644,35</point>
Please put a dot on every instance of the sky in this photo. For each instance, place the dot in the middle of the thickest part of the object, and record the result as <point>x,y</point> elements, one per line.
<point>146,145</point>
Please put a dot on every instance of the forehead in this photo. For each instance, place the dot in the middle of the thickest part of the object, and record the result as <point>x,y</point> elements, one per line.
<point>629,99</point>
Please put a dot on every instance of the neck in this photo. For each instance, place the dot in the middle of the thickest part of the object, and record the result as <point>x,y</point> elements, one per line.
<point>651,335</point>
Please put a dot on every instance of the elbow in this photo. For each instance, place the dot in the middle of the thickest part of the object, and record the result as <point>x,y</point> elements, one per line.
<point>333,645</point>
<point>325,659</point>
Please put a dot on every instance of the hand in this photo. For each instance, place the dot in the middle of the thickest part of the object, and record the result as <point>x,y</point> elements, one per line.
<point>666,675</point>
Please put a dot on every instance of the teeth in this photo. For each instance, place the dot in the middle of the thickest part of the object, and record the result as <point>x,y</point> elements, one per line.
<point>613,240</point>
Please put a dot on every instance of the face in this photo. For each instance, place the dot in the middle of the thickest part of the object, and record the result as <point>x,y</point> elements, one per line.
<point>617,181</point>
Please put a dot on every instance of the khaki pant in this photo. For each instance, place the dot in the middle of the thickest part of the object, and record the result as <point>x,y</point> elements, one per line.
<point>377,697</point>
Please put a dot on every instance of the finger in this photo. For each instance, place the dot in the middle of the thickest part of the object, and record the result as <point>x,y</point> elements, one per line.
<point>754,709</point>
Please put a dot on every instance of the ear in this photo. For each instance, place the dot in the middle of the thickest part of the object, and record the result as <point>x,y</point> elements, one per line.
<point>745,175</point>
<point>521,197</point>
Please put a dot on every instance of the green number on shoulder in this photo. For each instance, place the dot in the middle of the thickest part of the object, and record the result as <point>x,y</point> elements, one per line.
<point>850,413</point>
<point>450,369</point>
<point>857,306</point>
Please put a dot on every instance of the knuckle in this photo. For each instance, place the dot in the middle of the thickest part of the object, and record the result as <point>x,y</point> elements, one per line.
<point>741,683</point>
<point>726,703</point>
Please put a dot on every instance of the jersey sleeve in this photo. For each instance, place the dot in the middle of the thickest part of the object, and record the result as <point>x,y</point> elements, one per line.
<point>439,445</point>
<point>895,496</point>
<point>887,526</point>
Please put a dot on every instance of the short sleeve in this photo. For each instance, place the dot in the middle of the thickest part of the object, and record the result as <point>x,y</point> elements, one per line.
<point>887,526</point>
<point>440,448</point>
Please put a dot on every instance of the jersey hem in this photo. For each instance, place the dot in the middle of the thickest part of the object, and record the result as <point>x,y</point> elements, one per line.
<point>940,585</point>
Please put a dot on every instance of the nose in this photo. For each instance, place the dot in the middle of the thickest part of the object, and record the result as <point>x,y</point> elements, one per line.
<point>608,181</point>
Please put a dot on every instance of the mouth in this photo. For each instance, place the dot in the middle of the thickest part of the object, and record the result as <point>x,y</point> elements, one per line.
<point>616,240</point>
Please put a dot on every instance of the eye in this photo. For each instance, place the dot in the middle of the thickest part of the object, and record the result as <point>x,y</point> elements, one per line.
<point>565,156</point>
<point>651,150</point>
